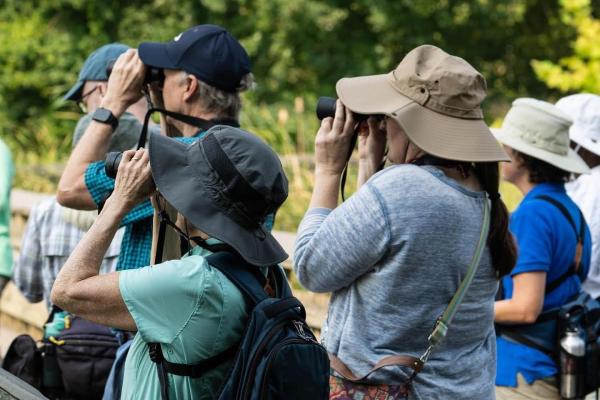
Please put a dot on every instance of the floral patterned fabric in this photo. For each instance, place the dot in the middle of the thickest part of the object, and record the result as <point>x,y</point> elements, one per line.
<point>341,389</point>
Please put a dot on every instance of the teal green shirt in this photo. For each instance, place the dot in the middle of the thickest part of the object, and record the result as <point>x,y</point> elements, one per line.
<point>6,176</point>
<point>193,310</point>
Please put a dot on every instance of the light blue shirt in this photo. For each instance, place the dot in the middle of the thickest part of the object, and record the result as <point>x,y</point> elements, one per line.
<point>193,311</point>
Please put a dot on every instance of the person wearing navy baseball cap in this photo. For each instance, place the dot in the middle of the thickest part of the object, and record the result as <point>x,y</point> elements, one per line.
<point>198,74</point>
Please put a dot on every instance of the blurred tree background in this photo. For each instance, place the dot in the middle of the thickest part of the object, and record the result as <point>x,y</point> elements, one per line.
<point>299,49</point>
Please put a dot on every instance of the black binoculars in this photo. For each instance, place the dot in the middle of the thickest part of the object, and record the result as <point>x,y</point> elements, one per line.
<point>152,74</point>
<point>326,108</point>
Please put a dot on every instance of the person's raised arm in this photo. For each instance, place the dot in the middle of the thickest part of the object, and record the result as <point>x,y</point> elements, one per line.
<point>124,89</point>
<point>79,288</point>
<point>335,248</point>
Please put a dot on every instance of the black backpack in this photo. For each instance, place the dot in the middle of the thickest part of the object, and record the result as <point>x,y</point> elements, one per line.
<point>278,356</point>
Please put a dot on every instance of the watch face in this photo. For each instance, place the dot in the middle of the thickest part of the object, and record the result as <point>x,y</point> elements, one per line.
<point>102,114</point>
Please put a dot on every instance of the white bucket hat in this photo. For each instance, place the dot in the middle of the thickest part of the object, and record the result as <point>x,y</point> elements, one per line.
<point>584,109</point>
<point>540,130</point>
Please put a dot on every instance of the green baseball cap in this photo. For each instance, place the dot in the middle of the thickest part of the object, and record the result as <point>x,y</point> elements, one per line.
<point>94,68</point>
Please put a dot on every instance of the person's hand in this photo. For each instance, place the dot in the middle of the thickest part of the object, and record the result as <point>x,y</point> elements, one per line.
<point>333,141</point>
<point>134,181</point>
<point>371,143</point>
<point>125,83</point>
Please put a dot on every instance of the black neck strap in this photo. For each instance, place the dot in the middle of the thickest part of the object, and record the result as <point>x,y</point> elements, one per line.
<point>201,124</point>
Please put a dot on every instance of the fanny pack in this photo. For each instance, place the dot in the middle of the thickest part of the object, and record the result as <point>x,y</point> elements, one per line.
<point>345,385</point>
<point>74,363</point>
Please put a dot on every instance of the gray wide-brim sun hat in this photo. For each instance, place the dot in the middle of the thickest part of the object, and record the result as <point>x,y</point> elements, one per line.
<point>225,184</point>
<point>540,130</point>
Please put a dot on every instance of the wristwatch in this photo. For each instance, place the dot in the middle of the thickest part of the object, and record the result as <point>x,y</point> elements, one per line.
<point>105,116</point>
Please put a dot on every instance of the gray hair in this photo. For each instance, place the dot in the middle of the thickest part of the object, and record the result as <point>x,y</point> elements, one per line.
<point>224,104</point>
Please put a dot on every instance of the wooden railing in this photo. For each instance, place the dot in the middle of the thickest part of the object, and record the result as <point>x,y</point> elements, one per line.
<point>18,316</point>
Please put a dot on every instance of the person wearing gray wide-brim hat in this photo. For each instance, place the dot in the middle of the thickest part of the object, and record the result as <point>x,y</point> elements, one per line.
<point>225,185</point>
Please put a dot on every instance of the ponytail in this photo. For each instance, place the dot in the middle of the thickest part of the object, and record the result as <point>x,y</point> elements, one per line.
<point>500,241</point>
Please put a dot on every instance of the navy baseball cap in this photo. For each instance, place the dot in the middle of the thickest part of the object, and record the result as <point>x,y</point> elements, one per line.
<point>94,67</point>
<point>208,52</point>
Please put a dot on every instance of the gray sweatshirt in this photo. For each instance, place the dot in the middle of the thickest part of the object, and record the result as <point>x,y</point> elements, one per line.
<point>393,255</point>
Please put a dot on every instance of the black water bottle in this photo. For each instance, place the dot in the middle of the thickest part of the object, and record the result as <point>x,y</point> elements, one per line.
<point>572,365</point>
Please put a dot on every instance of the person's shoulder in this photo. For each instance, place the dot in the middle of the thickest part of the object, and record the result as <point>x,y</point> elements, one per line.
<point>398,175</point>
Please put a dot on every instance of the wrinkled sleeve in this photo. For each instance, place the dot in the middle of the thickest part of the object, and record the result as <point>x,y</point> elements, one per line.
<point>334,248</point>
<point>27,271</point>
<point>162,298</point>
<point>533,232</point>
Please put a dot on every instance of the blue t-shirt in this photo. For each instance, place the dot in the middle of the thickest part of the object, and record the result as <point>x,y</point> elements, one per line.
<point>546,242</point>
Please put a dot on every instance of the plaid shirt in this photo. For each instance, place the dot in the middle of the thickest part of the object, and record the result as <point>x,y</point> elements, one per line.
<point>137,240</point>
<point>47,244</point>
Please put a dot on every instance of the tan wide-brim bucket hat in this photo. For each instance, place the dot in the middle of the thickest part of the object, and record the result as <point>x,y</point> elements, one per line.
<point>436,99</point>
<point>539,129</point>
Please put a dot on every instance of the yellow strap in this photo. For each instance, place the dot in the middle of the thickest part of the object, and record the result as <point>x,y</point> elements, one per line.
<point>55,341</point>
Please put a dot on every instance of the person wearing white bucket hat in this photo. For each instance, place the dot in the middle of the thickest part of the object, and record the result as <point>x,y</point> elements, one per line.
<point>396,251</point>
<point>554,247</point>
<point>585,190</point>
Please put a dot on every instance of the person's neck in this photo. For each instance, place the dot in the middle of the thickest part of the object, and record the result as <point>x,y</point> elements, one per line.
<point>523,184</point>
<point>190,130</point>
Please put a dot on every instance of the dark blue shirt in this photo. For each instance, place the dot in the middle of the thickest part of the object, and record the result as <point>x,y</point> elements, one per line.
<point>546,242</point>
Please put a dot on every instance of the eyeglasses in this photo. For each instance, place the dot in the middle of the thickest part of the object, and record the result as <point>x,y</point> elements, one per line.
<point>80,102</point>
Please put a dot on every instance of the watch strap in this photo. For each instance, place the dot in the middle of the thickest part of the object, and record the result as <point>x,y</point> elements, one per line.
<point>105,116</point>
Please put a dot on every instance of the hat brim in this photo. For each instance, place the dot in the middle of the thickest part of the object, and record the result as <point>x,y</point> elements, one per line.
<point>183,176</point>
<point>75,92</point>
<point>435,133</point>
<point>570,162</point>
<point>155,54</point>
<point>578,135</point>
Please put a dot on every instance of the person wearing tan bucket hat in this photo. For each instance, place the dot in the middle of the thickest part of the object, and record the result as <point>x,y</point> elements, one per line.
<point>554,248</point>
<point>397,250</point>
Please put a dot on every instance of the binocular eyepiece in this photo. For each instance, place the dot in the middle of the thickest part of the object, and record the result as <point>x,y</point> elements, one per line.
<point>152,74</point>
<point>326,108</point>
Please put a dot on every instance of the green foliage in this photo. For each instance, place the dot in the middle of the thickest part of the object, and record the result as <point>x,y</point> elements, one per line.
<point>581,70</point>
<point>299,49</point>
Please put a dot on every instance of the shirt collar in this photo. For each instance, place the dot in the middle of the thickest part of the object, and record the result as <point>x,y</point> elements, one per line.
<point>543,188</point>
<point>201,251</point>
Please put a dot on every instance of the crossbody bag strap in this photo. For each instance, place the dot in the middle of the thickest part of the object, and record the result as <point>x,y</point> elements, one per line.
<point>441,326</point>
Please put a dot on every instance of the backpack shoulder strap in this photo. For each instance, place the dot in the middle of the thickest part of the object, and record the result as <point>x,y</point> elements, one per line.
<point>247,278</point>
<point>579,233</point>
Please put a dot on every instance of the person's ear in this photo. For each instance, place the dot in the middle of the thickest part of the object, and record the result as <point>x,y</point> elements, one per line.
<point>102,89</point>
<point>191,87</point>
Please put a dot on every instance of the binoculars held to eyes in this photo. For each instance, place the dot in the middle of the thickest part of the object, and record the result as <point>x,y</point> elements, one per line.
<point>326,108</point>
<point>152,74</point>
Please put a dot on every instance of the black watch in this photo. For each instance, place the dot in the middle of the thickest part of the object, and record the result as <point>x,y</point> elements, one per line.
<point>105,116</point>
